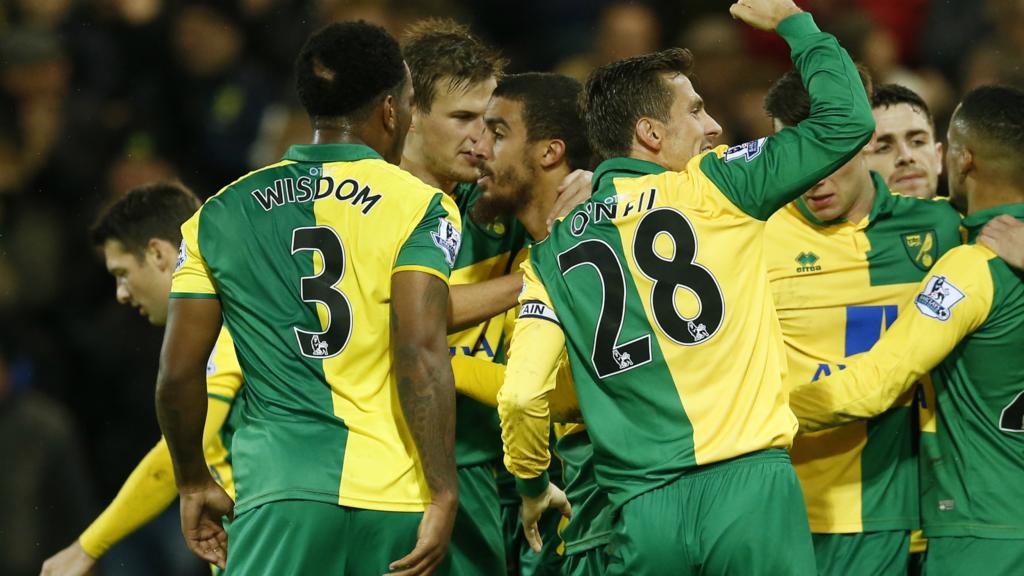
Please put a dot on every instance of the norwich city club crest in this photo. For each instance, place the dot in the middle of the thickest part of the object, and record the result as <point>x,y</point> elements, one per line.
<point>922,248</point>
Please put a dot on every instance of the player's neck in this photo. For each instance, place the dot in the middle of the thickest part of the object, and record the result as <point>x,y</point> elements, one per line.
<point>534,215</point>
<point>336,131</point>
<point>985,195</point>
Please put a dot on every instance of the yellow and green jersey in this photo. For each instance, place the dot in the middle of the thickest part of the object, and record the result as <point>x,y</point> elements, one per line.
<point>223,382</point>
<point>837,287</point>
<point>965,326</point>
<point>301,255</point>
<point>592,515</point>
<point>487,252</point>
<point>658,288</point>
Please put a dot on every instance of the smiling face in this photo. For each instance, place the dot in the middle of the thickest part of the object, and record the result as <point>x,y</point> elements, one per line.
<point>905,152</point>
<point>449,131</point>
<point>141,282</point>
<point>690,129</point>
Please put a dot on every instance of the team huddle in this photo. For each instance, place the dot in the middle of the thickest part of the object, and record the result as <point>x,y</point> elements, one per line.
<point>491,323</point>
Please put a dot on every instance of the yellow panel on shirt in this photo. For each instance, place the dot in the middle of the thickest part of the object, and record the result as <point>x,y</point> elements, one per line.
<point>837,287</point>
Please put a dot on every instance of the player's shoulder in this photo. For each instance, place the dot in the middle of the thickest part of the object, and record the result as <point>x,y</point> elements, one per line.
<point>966,260</point>
<point>937,210</point>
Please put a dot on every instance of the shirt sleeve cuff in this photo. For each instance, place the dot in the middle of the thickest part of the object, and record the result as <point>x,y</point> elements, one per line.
<point>797,26</point>
<point>533,487</point>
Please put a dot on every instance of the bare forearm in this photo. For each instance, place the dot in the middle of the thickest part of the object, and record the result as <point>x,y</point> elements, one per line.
<point>472,304</point>
<point>181,409</point>
<point>427,396</point>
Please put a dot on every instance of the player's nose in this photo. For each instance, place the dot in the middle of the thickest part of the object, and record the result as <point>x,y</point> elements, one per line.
<point>123,295</point>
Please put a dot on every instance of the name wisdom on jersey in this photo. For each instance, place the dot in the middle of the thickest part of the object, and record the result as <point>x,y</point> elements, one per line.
<point>307,189</point>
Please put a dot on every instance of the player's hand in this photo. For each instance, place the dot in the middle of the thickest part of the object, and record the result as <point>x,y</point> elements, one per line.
<point>764,14</point>
<point>573,191</point>
<point>71,561</point>
<point>533,508</point>
<point>1005,236</point>
<point>202,509</point>
<point>432,539</point>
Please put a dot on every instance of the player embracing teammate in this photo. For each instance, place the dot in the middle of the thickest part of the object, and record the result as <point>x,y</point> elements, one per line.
<point>648,313</point>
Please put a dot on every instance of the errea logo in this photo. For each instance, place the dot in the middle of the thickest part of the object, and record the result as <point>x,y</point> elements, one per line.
<point>808,262</point>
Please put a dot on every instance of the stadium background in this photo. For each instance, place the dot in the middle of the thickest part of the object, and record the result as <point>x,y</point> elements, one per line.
<point>97,96</point>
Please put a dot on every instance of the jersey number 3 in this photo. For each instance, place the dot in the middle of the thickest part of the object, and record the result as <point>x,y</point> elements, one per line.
<point>322,288</point>
<point>669,274</point>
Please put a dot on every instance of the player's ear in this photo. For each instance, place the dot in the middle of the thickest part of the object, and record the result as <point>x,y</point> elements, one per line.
<point>649,133</point>
<point>552,153</point>
<point>389,115</point>
<point>938,153</point>
<point>161,254</point>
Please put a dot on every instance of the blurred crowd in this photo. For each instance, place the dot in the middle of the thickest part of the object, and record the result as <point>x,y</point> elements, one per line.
<point>99,96</point>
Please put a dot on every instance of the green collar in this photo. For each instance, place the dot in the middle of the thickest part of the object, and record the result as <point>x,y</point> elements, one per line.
<point>976,221</point>
<point>330,153</point>
<point>882,205</point>
<point>629,167</point>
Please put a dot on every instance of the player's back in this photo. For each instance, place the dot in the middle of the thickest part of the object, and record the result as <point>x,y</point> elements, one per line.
<point>660,285</point>
<point>301,254</point>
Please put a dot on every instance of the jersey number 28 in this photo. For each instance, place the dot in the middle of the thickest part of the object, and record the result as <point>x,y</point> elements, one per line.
<point>669,274</point>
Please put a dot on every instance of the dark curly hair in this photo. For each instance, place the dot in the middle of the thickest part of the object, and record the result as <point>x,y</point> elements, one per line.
<point>438,49</point>
<point>345,67</point>
<point>151,211</point>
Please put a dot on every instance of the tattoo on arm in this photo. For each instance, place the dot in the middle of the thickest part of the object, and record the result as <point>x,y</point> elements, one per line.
<point>426,387</point>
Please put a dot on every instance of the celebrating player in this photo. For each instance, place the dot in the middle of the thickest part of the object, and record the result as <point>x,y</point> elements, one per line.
<point>330,269</point>
<point>454,74</point>
<point>967,329</point>
<point>845,259</point>
<point>139,236</point>
<point>535,139</point>
<point>905,151</point>
<point>672,335</point>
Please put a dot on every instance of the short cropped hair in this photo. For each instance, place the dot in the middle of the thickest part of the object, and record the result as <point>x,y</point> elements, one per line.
<point>147,212</point>
<point>550,111</point>
<point>887,95</point>
<point>995,116</point>
<point>788,101</point>
<point>618,94</point>
<point>441,49</point>
<point>345,68</point>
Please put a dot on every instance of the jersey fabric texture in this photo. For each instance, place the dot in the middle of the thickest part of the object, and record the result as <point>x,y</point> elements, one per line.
<point>837,287</point>
<point>967,328</point>
<point>487,252</point>
<point>660,318</point>
<point>591,523</point>
<point>301,255</point>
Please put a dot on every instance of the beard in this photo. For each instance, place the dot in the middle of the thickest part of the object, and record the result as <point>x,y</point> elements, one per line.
<point>493,205</point>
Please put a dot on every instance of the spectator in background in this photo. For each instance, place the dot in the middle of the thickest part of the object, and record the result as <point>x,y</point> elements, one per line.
<point>48,500</point>
<point>219,98</point>
<point>904,151</point>
<point>625,29</point>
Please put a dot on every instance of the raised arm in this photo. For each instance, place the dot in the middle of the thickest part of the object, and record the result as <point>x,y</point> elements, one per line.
<point>192,328</point>
<point>762,176</point>
<point>951,303</point>
<point>426,391</point>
